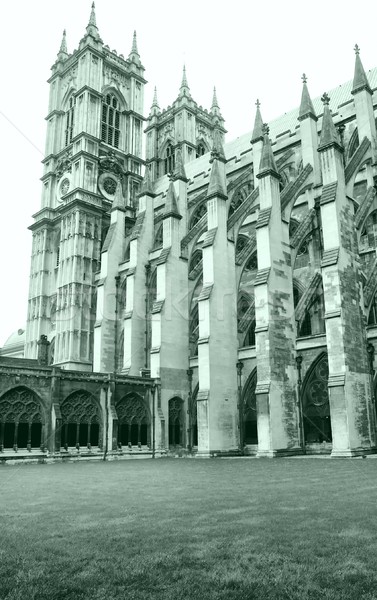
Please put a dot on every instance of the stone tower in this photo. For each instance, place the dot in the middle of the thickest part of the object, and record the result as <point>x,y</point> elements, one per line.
<point>93,142</point>
<point>183,125</point>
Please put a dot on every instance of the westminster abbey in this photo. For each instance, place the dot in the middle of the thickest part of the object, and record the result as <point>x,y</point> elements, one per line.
<point>206,298</point>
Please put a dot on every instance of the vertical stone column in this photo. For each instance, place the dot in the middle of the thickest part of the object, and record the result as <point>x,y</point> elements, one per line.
<point>134,318</point>
<point>278,427</point>
<point>352,415</point>
<point>309,136</point>
<point>112,254</point>
<point>217,346</point>
<point>170,319</point>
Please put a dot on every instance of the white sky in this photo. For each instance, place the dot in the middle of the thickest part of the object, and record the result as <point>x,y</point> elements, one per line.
<point>249,49</point>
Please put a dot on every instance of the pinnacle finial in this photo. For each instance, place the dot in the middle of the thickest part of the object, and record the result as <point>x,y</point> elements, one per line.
<point>63,45</point>
<point>258,124</point>
<point>306,105</point>
<point>92,18</point>
<point>184,83</point>
<point>360,79</point>
<point>357,49</point>
<point>134,49</point>
<point>155,101</point>
<point>325,99</point>
<point>215,103</point>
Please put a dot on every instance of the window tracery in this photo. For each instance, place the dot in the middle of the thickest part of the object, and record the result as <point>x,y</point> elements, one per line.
<point>21,420</point>
<point>169,159</point>
<point>110,121</point>
<point>133,417</point>
<point>70,121</point>
<point>81,419</point>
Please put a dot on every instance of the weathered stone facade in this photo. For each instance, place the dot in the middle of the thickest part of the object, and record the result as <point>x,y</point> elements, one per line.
<point>223,303</point>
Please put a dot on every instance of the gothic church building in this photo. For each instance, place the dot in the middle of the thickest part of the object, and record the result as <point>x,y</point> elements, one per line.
<point>209,298</point>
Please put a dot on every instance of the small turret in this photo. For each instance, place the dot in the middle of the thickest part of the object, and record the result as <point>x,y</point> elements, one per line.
<point>267,162</point>
<point>329,135</point>
<point>306,106</point>
<point>258,125</point>
<point>184,90</point>
<point>360,80</point>
<point>91,28</point>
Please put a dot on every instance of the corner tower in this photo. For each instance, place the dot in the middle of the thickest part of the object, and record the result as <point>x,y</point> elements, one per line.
<point>93,141</point>
<point>183,125</point>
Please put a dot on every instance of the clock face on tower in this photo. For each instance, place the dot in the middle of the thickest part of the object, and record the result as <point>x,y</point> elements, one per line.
<point>63,187</point>
<point>107,184</point>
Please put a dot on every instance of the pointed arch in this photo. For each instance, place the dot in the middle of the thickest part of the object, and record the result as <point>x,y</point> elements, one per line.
<point>315,402</point>
<point>134,421</point>
<point>249,410</point>
<point>81,420</point>
<point>199,212</point>
<point>176,421</point>
<point>22,419</point>
<point>111,118</point>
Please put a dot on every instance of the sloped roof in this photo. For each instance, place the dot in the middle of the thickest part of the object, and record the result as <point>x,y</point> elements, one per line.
<point>199,169</point>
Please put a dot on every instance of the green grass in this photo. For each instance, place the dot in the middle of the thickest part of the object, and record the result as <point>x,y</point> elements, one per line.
<point>184,529</point>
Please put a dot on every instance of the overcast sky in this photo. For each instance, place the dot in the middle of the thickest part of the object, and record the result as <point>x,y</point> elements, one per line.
<point>247,49</point>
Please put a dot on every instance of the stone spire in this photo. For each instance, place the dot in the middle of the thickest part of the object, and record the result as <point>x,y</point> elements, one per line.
<point>217,152</point>
<point>147,185</point>
<point>134,49</point>
<point>267,162</point>
<point>360,80</point>
<point>184,90</point>
<point>171,206</point>
<point>118,202</point>
<point>306,106</point>
<point>217,181</point>
<point>258,125</point>
<point>155,101</point>
<point>215,103</point>
<point>329,135</point>
<point>92,28</point>
<point>179,170</point>
<point>63,52</point>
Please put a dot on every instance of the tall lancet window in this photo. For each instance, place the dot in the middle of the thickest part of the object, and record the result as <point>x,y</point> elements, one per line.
<point>169,162</point>
<point>70,120</point>
<point>110,121</point>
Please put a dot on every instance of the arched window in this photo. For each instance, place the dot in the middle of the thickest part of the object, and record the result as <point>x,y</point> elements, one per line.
<point>302,257</point>
<point>198,214</point>
<point>246,320</point>
<point>21,420</point>
<point>194,331</point>
<point>70,121</point>
<point>176,420</point>
<point>315,403</point>
<point>169,160</point>
<point>240,196</point>
<point>134,422</point>
<point>81,418</point>
<point>252,263</point>
<point>369,232</point>
<point>314,319</point>
<point>194,418</point>
<point>195,266</point>
<point>249,404</point>
<point>158,238</point>
<point>200,150</point>
<point>110,122</point>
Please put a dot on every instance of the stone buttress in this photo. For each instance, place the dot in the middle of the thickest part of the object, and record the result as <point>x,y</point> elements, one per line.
<point>218,343</point>
<point>352,412</point>
<point>170,318</point>
<point>134,317</point>
<point>104,359</point>
<point>275,326</point>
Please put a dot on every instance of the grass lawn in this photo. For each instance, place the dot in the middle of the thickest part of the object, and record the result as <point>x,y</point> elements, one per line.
<point>182,529</point>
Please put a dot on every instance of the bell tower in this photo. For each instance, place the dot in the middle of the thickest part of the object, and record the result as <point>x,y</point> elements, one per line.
<point>93,142</point>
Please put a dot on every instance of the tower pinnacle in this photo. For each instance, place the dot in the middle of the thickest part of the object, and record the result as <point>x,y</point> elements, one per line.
<point>134,49</point>
<point>258,125</point>
<point>360,80</point>
<point>329,135</point>
<point>92,28</point>
<point>63,52</point>
<point>306,106</point>
<point>184,90</point>
<point>267,162</point>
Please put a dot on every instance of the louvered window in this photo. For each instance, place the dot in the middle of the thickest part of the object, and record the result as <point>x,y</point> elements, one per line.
<point>110,121</point>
